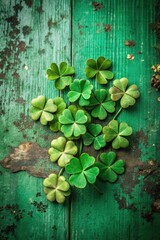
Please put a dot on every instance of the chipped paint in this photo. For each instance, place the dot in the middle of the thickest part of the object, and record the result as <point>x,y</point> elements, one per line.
<point>29,157</point>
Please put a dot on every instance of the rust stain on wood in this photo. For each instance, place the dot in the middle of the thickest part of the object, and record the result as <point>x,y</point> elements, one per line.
<point>29,157</point>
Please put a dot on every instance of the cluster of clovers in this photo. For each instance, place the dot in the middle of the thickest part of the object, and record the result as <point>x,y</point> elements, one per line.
<point>76,123</point>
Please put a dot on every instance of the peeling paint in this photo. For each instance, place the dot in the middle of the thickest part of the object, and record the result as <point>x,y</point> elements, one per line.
<point>122,202</point>
<point>29,157</point>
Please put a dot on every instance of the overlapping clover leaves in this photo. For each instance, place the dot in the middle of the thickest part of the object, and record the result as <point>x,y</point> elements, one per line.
<point>78,129</point>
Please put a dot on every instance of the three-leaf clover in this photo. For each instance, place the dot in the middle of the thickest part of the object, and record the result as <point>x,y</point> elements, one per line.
<point>82,170</point>
<point>62,150</point>
<point>101,103</point>
<point>99,69</point>
<point>80,90</point>
<point>61,105</point>
<point>120,90</point>
<point>109,169</point>
<point>73,125</point>
<point>117,132</point>
<point>42,109</point>
<point>75,108</point>
<point>56,188</point>
<point>94,136</point>
<point>61,75</point>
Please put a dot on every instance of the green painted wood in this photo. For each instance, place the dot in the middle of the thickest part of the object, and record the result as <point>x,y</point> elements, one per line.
<point>125,210</point>
<point>33,34</point>
<point>31,38</point>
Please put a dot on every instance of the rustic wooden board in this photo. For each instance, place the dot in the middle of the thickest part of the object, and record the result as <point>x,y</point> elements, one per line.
<point>31,38</point>
<point>35,33</point>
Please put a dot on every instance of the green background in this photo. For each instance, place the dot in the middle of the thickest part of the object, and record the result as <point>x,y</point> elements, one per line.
<point>34,34</point>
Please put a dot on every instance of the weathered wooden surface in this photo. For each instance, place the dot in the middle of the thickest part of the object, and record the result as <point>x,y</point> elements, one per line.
<point>35,33</point>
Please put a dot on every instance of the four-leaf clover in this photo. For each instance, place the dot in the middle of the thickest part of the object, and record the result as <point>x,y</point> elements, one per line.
<point>94,136</point>
<point>109,169</point>
<point>80,90</point>
<point>73,125</point>
<point>101,103</point>
<point>42,109</point>
<point>61,75</point>
<point>117,132</point>
<point>99,69</point>
<point>62,150</point>
<point>56,188</point>
<point>82,170</point>
<point>127,95</point>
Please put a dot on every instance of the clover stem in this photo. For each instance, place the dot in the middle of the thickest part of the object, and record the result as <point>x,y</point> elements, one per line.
<point>61,171</point>
<point>80,147</point>
<point>97,189</point>
<point>118,113</point>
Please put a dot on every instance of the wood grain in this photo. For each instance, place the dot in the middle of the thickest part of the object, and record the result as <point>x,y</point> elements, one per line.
<point>34,34</point>
<point>125,210</point>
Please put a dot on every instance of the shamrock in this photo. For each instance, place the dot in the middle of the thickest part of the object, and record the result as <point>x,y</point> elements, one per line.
<point>99,69</point>
<point>61,75</point>
<point>127,95</point>
<point>61,105</point>
<point>62,150</point>
<point>116,132</point>
<point>109,169</point>
<point>82,170</point>
<point>74,108</point>
<point>94,136</point>
<point>42,109</point>
<point>80,90</point>
<point>56,188</point>
<point>73,124</point>
<point>101,103</point>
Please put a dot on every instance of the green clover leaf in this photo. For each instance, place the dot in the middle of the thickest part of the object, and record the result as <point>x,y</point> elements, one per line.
<point>62,150</point>
<point>99,69</point>
<point>117,133</point>
<point>81,91</point>
<point>61,105</point>
<point>128,95</point>
<point>75,108</point>
<point>73,125</point>
<point>42,109</point>
<point>94,136</point>
<point>82,170</point>
<point>101,103</point>
<point>109,169</point>
<point>61,75</point>
<point>56,188</point>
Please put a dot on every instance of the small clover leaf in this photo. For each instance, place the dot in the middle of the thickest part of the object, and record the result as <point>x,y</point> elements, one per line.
<point>99,69</point>
<point>109,169</point>
<point>81,91</point>
<point>94,136</point>
<point>128,95</point>
<point>56,188</point>
<point>73,125</point>
<point>101,103</point>
<point>62,150</point>
<point>61,105</point>
<point>117,133</point>
<point>42,109</point>
<point>82,170</point>
<point>75,108</point>
<point>61,75</point>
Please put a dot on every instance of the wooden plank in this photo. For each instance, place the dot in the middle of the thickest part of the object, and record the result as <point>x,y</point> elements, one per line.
<point>31,38</point>
<point>126,210</point>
